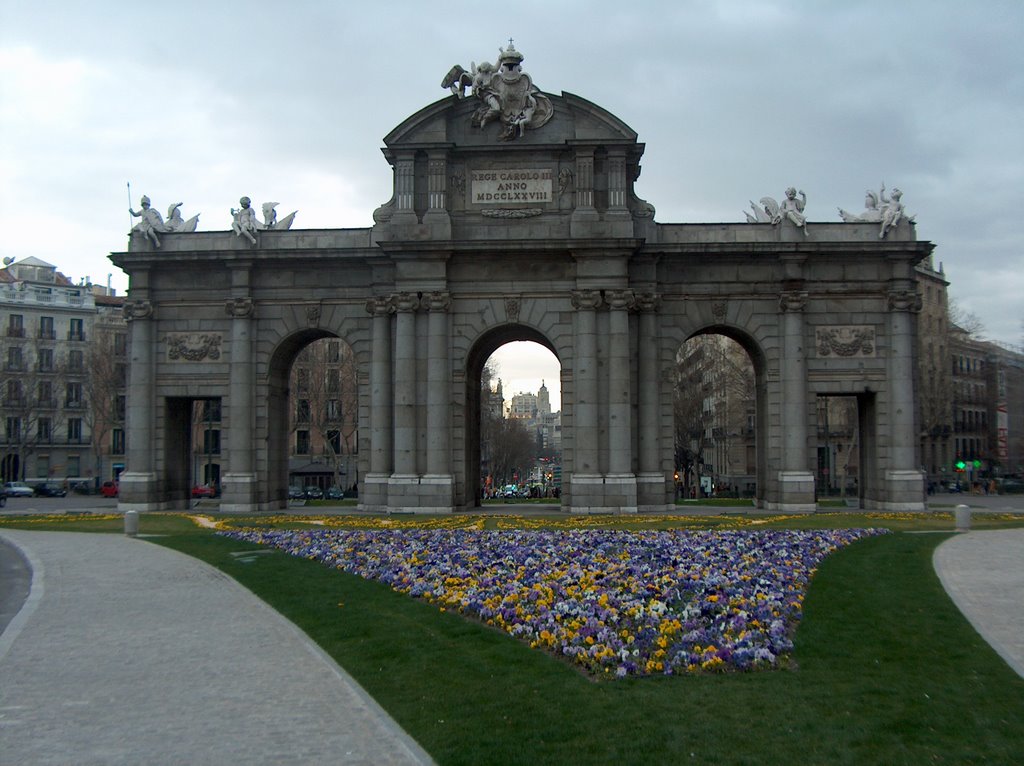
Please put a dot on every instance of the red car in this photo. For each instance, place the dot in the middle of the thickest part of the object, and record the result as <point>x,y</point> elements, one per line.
<point>109,489</point>
<point>204,490</point>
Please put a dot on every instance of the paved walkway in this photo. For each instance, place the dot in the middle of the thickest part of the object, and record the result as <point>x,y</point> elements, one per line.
<point>983,572</point>
<point>128,653</point>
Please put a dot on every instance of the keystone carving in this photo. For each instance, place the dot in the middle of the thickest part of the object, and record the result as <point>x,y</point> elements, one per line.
<point>137,310</point>
<point>239,307</point>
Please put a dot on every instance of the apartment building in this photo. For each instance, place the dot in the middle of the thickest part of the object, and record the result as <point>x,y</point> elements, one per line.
<point>63,350</point>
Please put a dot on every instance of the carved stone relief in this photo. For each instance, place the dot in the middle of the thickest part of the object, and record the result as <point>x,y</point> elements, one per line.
<point>193,346</point>
<point>846,341</point>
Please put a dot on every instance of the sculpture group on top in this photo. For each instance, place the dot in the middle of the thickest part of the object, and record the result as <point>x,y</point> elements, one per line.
<point>153,224</point>
<point>772,212</point>
<point>244,221</point>
<point>880,209</point>
<point>885,211</point>
<point>506,93</point>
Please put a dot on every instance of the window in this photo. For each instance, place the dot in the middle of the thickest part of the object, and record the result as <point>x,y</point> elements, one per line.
<point>120,344</point>
<point>333,352</point>
<point>76,330</point>
<point>211,442</point>
<point>13,393</point>
<point>334,441</point>
<point>302,380</point>
<point>74,395</point>
<point>74,436</point>
<point>302,442</point>
<point>46,328</point>
<point>45,358</point>
<point>13,430</point>
<point>117,441</point>
<point>333,381</point>
<point>43,466</point>
<point>46,393</point>
<point>74,465</point>
<point>75,361</point>
<point>211,410</point>
<point>120,407</point>
<point>302,411</point>
<point>14,358</point>
<point>333,409</point>
<point>120,374</point>
<point>44,430</point>
<point>16,326</point>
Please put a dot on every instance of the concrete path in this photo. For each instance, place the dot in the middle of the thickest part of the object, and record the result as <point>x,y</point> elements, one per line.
<point>129,653</point>
<point>983,572</point>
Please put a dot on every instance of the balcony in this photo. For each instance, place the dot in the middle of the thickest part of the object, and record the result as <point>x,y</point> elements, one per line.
<point>15,332</point>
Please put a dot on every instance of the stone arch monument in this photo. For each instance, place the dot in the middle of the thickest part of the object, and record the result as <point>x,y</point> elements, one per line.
<point>514,217</point>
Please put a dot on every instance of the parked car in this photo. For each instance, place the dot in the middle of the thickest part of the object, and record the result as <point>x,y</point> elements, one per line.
<point>335,493</point>
<point>109,489</point>
<point>50,490</point>
<point>204,490</point>
<point>18,489</point>
<point>314,492</point>
<point>296,493</point>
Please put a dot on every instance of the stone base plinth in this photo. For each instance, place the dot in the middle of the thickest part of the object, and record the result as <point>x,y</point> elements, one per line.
<point>420,494</point>
<point>796,493</point>
<point>903,491</point>
<point>238,493</point>
<point>595,493</point>
<point>138,492</point>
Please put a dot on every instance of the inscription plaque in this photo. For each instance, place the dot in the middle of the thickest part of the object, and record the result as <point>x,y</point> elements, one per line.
<point>510,186</point>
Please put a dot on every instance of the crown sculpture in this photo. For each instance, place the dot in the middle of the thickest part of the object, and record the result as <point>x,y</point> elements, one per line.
<point>506,94</point>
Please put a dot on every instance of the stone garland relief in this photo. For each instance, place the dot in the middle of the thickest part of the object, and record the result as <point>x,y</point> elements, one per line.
<point>846,341</point>
<point>193,346</point>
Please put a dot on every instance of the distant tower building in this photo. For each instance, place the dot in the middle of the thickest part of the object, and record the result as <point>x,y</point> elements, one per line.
<point>497,402</point>
<point>543,401</point>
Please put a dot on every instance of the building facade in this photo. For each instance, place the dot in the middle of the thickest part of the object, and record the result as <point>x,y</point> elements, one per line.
<point>65,356</point>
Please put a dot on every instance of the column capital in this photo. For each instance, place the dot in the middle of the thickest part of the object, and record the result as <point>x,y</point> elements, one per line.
<point>904,301</point>
<point>586,299</point>
<point>239,308</point>
<point>620,300</point>
<point>792,301</point>
<point>405,302</point>
<point>138,309</point>
<point>379,305</point>
<point>437,301</point>
<point>648,302</point>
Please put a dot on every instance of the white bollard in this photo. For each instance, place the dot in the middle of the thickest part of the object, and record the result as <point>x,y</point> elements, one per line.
<point>963,518</point>
<point>131,523</point>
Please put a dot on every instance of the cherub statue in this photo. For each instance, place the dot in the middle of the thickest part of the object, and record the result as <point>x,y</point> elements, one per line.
<point>244,221</point>
<point>152,222</point>
<point>772,212</point>
<point>892,212</point>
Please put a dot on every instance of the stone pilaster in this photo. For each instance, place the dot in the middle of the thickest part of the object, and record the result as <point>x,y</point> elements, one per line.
<point>796,491</point>
<point>620,483</point>
<point>374,493</point>
<point>438,386</point>
<point>650,479</point>
<point>238,483</point>
<point>138,484</point>
<point>587,482</point>
<point>904,482</point>
<point>406,305</point>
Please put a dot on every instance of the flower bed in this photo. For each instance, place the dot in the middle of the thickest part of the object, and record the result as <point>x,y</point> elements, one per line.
<point>614,602</point>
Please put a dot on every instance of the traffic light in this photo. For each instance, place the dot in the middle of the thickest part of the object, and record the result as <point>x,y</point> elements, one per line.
<point>960,466</point>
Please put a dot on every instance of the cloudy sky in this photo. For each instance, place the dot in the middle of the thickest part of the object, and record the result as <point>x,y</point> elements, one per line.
<point>202,102</point>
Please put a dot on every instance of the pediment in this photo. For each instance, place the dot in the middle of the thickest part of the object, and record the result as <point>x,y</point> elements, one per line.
<point>448,122</point>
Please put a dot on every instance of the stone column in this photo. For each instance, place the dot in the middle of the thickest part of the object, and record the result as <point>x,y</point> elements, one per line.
<point>620,481</point>
<point>650,479</point>
<point>438,386</point>
<point>903,478</point>
<point>795,480</point>
<point>374,494</point>
<point>586,482</point>
<point>238,484</point>
<point>138,481</point>
<point>406,305</point>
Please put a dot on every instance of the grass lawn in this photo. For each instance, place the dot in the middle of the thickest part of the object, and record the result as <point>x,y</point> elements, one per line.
<point>888,670</point>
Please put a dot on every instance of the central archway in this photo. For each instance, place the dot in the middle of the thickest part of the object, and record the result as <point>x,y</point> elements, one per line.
<point>478,355</point>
